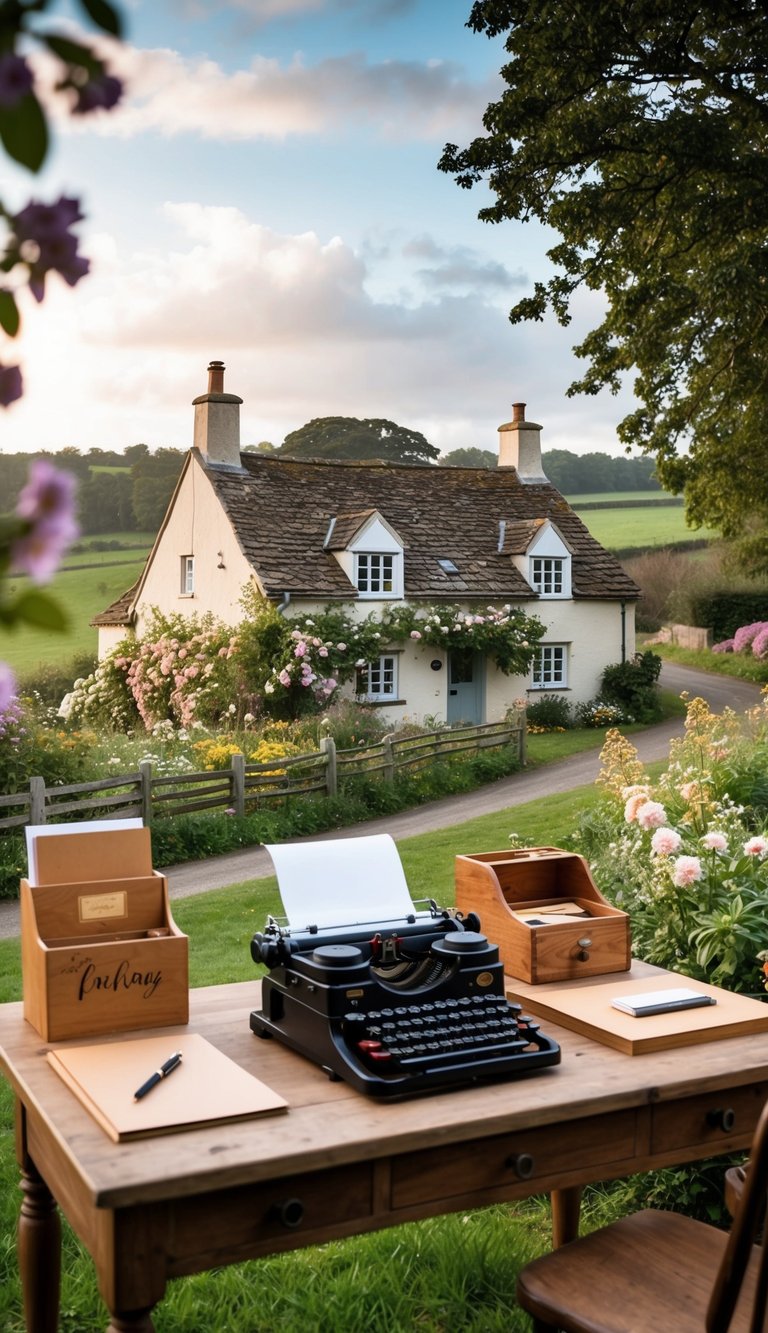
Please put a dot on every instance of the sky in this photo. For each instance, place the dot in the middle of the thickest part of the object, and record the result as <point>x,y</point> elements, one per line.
<point>267,195</point>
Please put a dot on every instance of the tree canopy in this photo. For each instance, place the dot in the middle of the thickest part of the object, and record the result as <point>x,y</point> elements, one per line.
<point>638,131</point>
<point>470,456</point>
<point>366,440</point>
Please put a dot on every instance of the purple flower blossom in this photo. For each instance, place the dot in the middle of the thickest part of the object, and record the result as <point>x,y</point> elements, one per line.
<point>47,504</point>
<point>44,242</point>
<point>10,385</point>
<point>15,78</point>
<point>7,688</point>
<point>98,94</point>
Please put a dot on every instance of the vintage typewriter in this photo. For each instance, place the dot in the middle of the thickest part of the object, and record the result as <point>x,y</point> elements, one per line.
<point>396,1007</point>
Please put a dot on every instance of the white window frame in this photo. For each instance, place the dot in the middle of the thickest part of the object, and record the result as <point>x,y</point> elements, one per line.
<point>550,667</point>
<point>376,573</point>
<point>377,680</point>
<point>187,576</point>
<point>548,575</point>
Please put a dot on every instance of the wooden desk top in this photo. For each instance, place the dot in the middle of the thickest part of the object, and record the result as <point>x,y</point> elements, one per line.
<point>330,1124</point>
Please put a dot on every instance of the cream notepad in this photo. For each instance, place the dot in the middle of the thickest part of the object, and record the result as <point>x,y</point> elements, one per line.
<point>207,1088</point>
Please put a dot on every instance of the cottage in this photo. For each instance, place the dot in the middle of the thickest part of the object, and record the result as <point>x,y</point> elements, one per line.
<point>309,534</point>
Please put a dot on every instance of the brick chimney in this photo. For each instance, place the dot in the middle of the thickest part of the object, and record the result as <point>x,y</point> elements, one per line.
<point>520,446</point>
<point>217,421</point>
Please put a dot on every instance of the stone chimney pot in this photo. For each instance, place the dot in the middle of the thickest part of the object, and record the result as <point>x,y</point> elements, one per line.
<point>217,421</point>
<point>520,446</point>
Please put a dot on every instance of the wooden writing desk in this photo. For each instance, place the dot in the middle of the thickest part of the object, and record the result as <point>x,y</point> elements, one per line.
<point>339,1163</point>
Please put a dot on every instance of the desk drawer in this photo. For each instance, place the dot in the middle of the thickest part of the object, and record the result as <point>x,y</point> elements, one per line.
<point>533,1156</point>
<point>708,1120</point>
<point>215,1228</point>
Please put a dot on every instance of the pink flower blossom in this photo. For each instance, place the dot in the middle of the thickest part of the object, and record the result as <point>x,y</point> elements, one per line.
<point>665,841</point>
<point>714,841</point>
<point>300,650</point>
<point>341,647</point>
<point>686,870</point>
<point>690,790</point>
<point>756,846</point>
<point>636,797</point>
<point>415,634</point>
<point>284,678</point>
<point>651,815</point>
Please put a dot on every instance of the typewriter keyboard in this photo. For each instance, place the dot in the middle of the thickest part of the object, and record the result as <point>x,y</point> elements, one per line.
<point>406,1037</point>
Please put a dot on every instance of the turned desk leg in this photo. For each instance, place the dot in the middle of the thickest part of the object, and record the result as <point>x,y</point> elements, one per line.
<point>39,1247</point>
<point>566,1209</point>
<point>133,1321</point>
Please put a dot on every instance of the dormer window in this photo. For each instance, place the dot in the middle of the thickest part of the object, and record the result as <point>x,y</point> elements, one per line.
<point>375,574</point>
<point>548,575</point>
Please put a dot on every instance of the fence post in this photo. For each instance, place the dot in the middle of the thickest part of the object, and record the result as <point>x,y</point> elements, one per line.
<point>37,800</point>
<point>522,744</point>
<point>389,759</point>
<point>328,748</point>
<point>145,787</point>
<point>237,782</point>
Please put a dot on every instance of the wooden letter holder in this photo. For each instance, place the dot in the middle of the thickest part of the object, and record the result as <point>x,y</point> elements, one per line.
<point>505,887</point>
<point>100,950</point>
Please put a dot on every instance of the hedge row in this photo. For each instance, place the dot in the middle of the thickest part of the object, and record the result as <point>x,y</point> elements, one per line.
<point>723,612</point>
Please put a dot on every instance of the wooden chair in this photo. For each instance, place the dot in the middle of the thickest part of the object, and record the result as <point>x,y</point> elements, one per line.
<point>659,1272</point>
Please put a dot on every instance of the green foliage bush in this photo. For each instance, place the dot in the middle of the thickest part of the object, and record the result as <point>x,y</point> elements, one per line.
<point>29,745</point>
<point>550,712</point>
<point>724,611</point>
<point>633,686</point>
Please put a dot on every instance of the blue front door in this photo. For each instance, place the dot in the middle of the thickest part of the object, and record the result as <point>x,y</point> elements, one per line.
<point>465,686</point>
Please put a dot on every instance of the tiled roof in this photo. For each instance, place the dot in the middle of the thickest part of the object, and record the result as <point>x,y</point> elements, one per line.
<point>281,510</point>
<point>119,613</point>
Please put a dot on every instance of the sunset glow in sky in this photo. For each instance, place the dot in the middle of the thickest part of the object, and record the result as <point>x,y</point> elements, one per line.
<point>268,195</point>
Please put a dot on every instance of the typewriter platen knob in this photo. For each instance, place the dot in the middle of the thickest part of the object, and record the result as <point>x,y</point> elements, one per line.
<point>461,941</point>
<point>338,955</point>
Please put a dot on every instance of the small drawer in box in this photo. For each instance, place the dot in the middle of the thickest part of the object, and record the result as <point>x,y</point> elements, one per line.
<point>543,909</point>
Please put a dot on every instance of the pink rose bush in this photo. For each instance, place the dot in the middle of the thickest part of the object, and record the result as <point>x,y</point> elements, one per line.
<point>682,855</point>
<point>752,639</point>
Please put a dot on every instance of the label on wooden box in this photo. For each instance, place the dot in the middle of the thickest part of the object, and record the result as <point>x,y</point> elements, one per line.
<point>95,906</point>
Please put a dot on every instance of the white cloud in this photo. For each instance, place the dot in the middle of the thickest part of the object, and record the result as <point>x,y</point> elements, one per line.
<point>118,359</point>
<point>170,94</point>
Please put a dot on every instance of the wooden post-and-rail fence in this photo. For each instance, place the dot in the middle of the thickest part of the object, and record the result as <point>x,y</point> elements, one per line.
<point>246,786</point>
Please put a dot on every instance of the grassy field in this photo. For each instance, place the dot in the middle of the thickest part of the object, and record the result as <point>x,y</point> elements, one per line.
<point>82,593</point>
<point>607,497</point>
<point>617,529</point>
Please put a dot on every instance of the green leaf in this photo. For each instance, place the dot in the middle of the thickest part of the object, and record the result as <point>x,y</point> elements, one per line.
<point>72,53</point>
<point>40,609</point>
<point>104,15</point>
<point>9,313</point>
<point>24,132</point>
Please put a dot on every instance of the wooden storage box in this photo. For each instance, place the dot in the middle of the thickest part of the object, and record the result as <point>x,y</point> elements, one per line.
<point>518,895</point>
<point>102,953</point>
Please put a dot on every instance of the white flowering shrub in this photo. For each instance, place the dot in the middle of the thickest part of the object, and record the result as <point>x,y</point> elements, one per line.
<point>687,856</point>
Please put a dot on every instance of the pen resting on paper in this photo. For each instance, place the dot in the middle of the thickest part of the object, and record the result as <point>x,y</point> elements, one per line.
<point>171,1063</point>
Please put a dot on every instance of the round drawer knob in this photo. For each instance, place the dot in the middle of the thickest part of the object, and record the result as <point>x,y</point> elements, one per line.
<point>723,1118</point>
<point>522,1164</point>
<point>289,1213</point>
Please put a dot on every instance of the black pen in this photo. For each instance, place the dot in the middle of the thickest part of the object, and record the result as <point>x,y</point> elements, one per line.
<point>171,1063</point>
